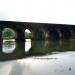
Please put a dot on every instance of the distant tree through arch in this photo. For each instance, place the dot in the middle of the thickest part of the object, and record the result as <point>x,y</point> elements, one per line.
<point>28,34</point>
<point>8,33</point>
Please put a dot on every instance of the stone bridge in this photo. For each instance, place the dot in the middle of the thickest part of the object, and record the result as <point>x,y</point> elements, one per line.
<point>40,31</point>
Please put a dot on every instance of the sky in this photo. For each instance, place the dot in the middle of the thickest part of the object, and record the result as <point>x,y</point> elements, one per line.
<point>43,11</point>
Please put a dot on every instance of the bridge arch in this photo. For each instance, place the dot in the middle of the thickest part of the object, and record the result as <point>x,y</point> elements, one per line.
<point>53,34</point>
<point>66,33</point>
<point>18,30</point>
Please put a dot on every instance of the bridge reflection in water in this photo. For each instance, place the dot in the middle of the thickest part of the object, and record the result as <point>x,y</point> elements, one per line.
<point>12,50</point>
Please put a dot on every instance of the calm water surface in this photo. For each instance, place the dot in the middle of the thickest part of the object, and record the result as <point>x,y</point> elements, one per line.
<point>41,58</point>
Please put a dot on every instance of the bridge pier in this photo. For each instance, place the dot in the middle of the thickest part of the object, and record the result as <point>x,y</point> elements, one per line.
<point>73,33</point>
<point>0,41</point>
<point>38,48</point>
<point>20,36</point>
<point>38,35</point>
<point>0,36</point>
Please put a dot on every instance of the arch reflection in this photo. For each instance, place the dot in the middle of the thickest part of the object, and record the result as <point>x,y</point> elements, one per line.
<point>36,48</point>
<point>27,45</point>
<point>8,46</point>
<point>50,47</point>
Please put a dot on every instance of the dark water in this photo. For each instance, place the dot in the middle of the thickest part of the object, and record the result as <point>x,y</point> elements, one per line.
<point>38,58</point>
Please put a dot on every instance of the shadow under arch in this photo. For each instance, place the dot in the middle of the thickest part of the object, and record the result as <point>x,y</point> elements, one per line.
<point>66,33</point>
<point>53,34</point>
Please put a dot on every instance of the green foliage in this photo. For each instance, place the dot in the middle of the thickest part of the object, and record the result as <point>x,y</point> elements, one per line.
<point>28,35</point>
<point>8,34</point>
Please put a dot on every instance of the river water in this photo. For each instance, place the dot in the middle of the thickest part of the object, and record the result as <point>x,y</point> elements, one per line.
<point>41,58</point>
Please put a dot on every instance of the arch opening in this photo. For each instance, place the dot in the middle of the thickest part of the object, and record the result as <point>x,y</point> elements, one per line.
<point>28,38</point>
<point>53,34</point>
<point>28,34</point>
<point>8,40</point>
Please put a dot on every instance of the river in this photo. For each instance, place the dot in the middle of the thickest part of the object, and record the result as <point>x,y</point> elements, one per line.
<point>41,58</point>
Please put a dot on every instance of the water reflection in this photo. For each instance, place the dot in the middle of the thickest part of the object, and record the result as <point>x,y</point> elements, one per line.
<point>58,58</point>
<point>12,50</point>
<point>51,47</point>
<point>63,65</point>
<point>15,50</point>
<point>27,45</point>
<point>8,46</point>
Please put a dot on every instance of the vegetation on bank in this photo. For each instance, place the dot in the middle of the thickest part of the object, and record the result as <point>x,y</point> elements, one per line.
<point>11,34</point>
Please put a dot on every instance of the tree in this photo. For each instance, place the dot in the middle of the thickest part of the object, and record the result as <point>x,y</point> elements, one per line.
<point>28,34</point>
<point>8,34</point>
